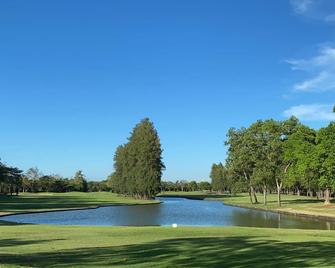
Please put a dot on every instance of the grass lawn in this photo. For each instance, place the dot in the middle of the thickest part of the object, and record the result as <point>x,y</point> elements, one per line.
<point>52,201</point>
<point>59,246</point>
<point>290,203</point>
<point>95,246</point>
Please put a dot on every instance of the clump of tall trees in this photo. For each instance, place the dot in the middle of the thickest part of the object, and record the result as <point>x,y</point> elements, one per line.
<point>138,164</point>
<point>278,157</point>
<point>10,179</point>
<point>219,182</point>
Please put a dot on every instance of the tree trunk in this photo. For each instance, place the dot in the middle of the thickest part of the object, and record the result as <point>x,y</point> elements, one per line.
<point>279,186</point>
<point>250,186</point>
<point>264,195</point>
<point>253,194</point>
<point>250,196</point>
<point>298,191</point>
<point>327,197</point>
<point>309,192</point>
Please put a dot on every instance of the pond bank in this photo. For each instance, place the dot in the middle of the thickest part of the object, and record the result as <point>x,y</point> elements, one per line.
<point>294,209</point>
<point>190,211</point>
<point>74,209</point>
<point>285,212</point>
<point>49,202</point>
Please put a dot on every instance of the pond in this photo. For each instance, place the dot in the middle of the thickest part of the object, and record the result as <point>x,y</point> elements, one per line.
<point>173,210</point>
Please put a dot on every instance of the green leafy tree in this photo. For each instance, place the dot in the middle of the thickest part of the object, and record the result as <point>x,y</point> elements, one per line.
<point>259,139</point>
<point>266,144</point>
<point>138,164</point>
<point>300,154</point>
<point>241,160</point>
<point>326,156</point>
<point>145,155</point>
<point>33,174</point>
<point>217,176</point>
<point>79,182</point>
<point>10,179</point>
<point>274,153</point>
<point>120,181</point>
<point>193,186</point>
<point>204,186</point>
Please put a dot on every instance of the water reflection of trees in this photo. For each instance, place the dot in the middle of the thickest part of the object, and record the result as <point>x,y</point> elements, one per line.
<point>254,218</point>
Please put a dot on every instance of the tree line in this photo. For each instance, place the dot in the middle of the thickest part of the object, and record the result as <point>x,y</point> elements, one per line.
<point>138,170</point>
<point>138,164</point>
<point>185,186</point>
<point>34,181</point>
<point>13,180</point>
<point>278,156</point>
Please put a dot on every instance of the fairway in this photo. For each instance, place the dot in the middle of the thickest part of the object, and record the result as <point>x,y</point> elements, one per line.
<point>50,246</point>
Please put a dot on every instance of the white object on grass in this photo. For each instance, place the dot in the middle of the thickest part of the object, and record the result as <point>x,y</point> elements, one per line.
<point>174,225</point>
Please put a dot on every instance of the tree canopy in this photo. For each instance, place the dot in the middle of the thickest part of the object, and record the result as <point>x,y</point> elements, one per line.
<point>279,156</point>
<point>10,179</point>
<point>138,164</point>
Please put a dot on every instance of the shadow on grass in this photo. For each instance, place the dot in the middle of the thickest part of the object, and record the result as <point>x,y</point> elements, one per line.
<point>60,201</point>
<point>21,202</point>
<point>303,201</point>
<point>10,223</point>
<point>17,242</point>
<point>189,252</point>
<point>287,201</point>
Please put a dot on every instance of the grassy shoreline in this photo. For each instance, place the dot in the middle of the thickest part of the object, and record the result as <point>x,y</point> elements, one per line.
<point>103,246</point>
<point>291,204</point>
<point>44,202</point>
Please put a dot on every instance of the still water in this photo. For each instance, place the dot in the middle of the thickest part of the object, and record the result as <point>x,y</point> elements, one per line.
<point>173,210</point>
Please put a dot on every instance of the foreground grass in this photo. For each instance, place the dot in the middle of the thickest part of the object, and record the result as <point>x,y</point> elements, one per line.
<point>290,203</point>
<point>59,246</point>
<point>30,202</point>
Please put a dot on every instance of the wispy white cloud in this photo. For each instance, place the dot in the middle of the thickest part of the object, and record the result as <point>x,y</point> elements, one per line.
<point>324,81</point>
<point>323,10</point>
<point>321,69</point>
<point>301,6</point>
<point>330,18</point>
<point>325,57</point>
<point>311,112</point>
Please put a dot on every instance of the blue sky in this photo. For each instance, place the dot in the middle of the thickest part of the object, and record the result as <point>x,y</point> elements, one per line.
<point>76,76</point>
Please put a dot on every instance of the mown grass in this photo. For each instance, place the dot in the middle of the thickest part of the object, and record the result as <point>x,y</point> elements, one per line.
<point>290,203</point>
<point>59,246</point>
<point>74,246</point>
<point>29,202</point>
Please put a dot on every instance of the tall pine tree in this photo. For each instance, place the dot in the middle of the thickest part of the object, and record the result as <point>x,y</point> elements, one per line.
<point>138,164</point>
